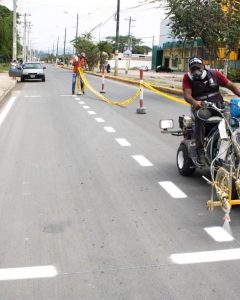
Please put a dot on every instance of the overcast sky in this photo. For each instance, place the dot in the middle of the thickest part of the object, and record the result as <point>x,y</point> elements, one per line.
<point>50,17</point>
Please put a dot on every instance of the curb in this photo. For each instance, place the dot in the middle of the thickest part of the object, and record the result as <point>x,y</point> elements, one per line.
<point>7,92</point>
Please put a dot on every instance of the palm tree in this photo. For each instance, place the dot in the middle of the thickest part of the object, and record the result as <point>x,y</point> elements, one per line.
<point>105,52</point>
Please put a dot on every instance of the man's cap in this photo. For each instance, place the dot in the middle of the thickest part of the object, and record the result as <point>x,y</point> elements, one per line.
<point>195,62</point>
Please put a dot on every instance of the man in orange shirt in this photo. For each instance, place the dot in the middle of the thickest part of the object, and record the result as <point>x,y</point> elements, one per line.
<point>75,72</point>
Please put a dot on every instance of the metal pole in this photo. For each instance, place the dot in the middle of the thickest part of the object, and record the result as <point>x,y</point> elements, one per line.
<point>64,47</point>
<point>27,54</point>
<point>117,39</point>
<point>57,49</point>
<point>24,37</point>
<point>14,50</point>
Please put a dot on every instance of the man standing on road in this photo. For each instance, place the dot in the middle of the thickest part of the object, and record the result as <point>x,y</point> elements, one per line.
<point>75,64</point>
<point>199,85</point>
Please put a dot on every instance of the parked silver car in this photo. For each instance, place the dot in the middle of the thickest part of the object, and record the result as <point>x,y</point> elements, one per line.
<point>33,70</point>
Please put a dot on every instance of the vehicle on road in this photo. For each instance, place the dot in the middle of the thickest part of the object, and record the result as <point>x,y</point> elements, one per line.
<point>33,71</point>
<point>222,151</point>
<point>163,69</point>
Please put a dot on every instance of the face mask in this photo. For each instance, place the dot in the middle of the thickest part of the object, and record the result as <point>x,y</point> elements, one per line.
<point>197,74</point>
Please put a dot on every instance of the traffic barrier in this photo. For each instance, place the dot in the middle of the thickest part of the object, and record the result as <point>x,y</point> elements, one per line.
<point>141,109</point>
<point>103,79</point>
<point>148,86</point>
<point>121,103</point>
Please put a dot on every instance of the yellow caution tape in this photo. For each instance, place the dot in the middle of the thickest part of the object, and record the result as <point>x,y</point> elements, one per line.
<point>148,86</point>
<point>124,102</point>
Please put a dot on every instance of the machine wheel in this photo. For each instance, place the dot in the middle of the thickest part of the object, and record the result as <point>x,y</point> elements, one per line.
<point>43,79</point>
<point>22,79</point>
<point>185,164</point>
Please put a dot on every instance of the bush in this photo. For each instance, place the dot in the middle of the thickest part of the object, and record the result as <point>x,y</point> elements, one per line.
<point>4,67</point>
<point>234,74</point>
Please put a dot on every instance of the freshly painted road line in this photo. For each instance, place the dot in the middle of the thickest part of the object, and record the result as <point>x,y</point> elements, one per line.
<point>142,161</point>
<point>86,107</point>
<point>172,189</point>
<point>99,120</point>
<point>91,112</point>
<point>28,273</point>
<point>206,256</point>
<point>109,129</point>
<point>37,96</point>
<point>6,109</point>
<point>123,142</point>
<point>219,234</point>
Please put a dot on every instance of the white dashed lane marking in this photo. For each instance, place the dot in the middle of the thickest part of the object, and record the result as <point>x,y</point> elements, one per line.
<point>81,102</point>
<point>109,129</point>
<point>142,161</point>
<point>28,273</point>
<point>99,120</point>
<point>172,189</point>
<point>86,106</point>
<point>123,142</point>
<point>91,112</point>
<point>205,256</point>
<point>219,234</point>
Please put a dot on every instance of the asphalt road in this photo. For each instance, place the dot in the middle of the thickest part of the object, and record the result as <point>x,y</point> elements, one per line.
<point>81,217</point>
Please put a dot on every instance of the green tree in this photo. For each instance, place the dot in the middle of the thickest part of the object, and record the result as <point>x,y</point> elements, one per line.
<point>214,21</point>
<point>105,52</point>
<point>5,34</point>
<point>136,44</point>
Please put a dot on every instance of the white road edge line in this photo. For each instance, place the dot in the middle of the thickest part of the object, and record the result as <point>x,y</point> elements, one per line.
<point>99,120</point>
<point>36,96</point>
<point>91,112</point>
<point>123,142</point>
<point>142,160</point>
<point>28,273</point>
<point>219,234</point>
<point>172,189</point>
<point>6,109</point>
<point>109,129</point>
<point>205,256</point>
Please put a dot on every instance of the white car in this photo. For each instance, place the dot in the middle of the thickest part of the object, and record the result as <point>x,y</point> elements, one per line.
<point>32,70</point>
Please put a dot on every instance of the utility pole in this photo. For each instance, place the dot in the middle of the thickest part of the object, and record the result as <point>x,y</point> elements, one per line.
<point>129,43</point>
<point>117,39</point>
<point>53,53</point>
<point>76,35</point>
<point>27,52</point>
<point>24,37</point>
<point>64,46</point>
<point>57,49</point>
<point>14,50</point>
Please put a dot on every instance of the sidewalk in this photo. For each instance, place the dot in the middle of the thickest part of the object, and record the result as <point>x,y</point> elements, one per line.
<point>6,85</point>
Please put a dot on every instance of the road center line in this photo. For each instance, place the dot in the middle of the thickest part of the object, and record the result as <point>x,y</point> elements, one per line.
<point>36,96</point>
<point>142,160</point>
<point>219,234</point>
<point>81,102</point>
<point>123,142</point>
<point>77,98</point>
<point>172,189</point>
<point>86,107</point>
<point>205,256</point>
<point>109,129</point>
<point>99,120</point>
<point>28,273</point>
<point>6,109</point>
<point>91,112</point>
